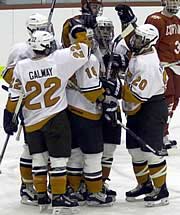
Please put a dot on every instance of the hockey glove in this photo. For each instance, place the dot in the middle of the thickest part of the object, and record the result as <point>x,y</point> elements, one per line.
<point>89,21</point>
<point>76,26</point>
<point>125,14</point>
<point>110,107</point>
<point>9,126</point>
<point>119,63</point>
<point>112,87</point>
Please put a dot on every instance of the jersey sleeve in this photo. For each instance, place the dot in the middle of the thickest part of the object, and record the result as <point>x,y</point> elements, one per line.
<point>15,91</point>
<point>72,58</point>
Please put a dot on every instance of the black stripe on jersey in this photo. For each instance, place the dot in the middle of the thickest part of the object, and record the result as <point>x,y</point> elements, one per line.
<point>87,89</point>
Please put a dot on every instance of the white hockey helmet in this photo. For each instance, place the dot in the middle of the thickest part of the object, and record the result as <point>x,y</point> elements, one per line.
<point>143,38</point>
<point>171,6</point>
<point>41,40</point>
<point>104,32</point>
<point>38,22</point>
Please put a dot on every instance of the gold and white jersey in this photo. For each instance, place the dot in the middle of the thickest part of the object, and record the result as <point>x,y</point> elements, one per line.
<point>19,51</point>
<point>87,79</point>
<point>145,78</point>
<point>44,81</point>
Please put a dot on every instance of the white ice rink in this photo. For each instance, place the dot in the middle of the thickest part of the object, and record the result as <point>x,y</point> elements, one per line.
<point>122,178</point>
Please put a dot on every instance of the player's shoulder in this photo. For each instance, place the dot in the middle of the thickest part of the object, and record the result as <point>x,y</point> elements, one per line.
<point>20,46</point>
<point>69,19</point>
<point>155,16</point>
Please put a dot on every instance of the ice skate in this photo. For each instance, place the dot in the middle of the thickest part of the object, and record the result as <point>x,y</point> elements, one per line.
<point>80,195</point>
<point>28,194</point>
<point>109,192</point>
<point>169,144</point>
<point>139,192</point>
<point>158,197</point>
<point>99,199</point>
<point>43,201</point>
<point>62,205</point>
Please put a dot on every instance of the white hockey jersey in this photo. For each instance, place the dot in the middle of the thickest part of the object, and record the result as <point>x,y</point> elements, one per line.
<point>44,81</point>
<point>21,51</point>
<point>145,78</point>
<point>87,78</point>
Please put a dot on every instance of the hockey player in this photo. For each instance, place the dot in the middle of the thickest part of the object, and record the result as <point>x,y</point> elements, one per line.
<point>146,109</point>
<point>43,81</point>
<point>87,139</point>
<point>104,33</point>
<point>18,52</point>
<point>168,48</point>
<point>90,9</point>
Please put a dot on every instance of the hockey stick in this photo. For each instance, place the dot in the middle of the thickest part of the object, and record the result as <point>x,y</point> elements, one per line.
<point>19,133</point>
<point>142,142</point>
<point>13,120</point>
<point>125,33</point>
<point>51,12</point>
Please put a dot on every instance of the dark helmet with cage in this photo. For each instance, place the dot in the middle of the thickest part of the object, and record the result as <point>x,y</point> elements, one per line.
<point>93,7</point>
<point>171,6</point>
<point>144,37</point>
<point>104,33</point>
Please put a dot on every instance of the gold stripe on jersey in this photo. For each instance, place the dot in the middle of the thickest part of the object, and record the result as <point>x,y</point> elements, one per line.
<point>11,105</point>
<point>84,114</point>
<point>7,76</point>
<point>93,95</point>
<point>38,125</point>
<point>128,96</point>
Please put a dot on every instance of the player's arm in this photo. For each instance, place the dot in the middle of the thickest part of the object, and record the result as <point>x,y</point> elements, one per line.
<point>7,75</point>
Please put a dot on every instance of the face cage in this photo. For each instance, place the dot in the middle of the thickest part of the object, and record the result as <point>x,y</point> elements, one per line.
<point>139,44</point>
<point>172,7</point>
<point>104,33</point>
<point>45,27</point>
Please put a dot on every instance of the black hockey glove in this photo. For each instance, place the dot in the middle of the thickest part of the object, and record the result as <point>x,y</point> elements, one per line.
<point>119,63</point>
<point>89,21</point>
<point>112,87</point>
<point>110,108</point>
<point>9,126</point>
<point>125,14</point>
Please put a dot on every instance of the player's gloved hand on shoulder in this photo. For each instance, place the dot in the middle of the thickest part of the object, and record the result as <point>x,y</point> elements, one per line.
<point>76,26</point>
<point>113,87</point>
<point>10,127</point>
<point>125,14</point>
<point>110,108</point>
<point>89,21</point>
